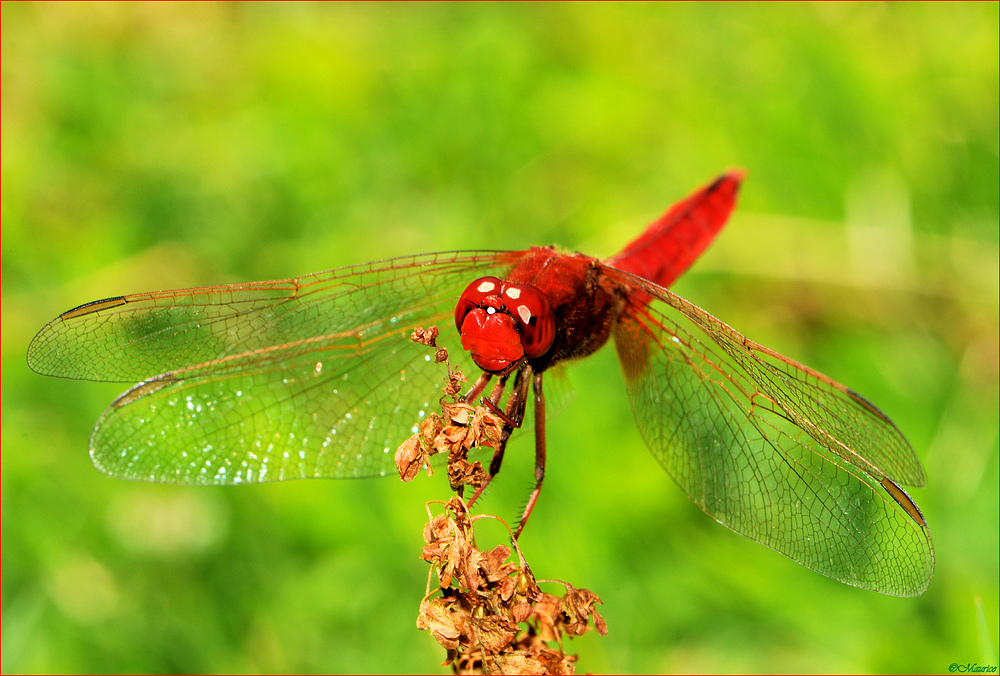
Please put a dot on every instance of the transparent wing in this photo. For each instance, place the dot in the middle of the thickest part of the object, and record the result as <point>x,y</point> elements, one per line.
<point>771,449</point>
<point>308,377</point>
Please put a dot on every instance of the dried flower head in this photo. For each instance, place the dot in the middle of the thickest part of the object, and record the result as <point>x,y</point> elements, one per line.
<point>488,611</point>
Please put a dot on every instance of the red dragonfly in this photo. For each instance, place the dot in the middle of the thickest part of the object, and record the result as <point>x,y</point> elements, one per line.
<point>317,377</point>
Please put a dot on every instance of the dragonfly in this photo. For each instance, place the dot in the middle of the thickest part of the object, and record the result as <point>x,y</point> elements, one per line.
<point>317,376</point>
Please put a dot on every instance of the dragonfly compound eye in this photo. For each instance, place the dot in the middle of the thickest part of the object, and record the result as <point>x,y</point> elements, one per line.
<point>473,297</point>
<point>530,308</point>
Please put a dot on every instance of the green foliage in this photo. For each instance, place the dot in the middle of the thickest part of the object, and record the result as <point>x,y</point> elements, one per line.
<point>153,146</point>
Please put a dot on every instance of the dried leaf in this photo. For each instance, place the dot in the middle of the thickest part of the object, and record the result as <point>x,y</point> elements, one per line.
<point>508,586</point>
<point>494,633</point>
<point>438,616</point>
<point>521,609</point>
<point>410,457</point>
<point>493,566</point>
<point>440,528</point>
<point>450,438</point>
<point>458,413</point>
<point>547,615</point>
<point>487,428</point>
<point>426,336</point>
<point>578,606</point>
<point>555,662</point>
<point>461,472</point>
<point>455,378</point>
<point>517,663</point>
<point>429,430</point>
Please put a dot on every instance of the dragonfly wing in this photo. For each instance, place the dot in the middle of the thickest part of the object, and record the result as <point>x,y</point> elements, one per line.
<point>771,449</point>
<point>311,377</point>
<point>136,337</point>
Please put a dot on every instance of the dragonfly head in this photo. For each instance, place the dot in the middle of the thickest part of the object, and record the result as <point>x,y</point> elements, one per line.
<point>503,323</point>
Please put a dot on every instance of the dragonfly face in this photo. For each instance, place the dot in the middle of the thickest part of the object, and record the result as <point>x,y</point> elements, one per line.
<point>502,323</point>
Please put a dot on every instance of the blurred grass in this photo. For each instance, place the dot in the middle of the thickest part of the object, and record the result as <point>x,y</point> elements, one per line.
<point>157,145</point>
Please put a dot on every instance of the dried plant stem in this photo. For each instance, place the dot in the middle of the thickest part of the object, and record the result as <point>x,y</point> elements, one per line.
<point>484,607</point>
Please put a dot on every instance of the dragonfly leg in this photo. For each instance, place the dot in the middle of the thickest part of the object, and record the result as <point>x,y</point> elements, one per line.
<point>500,414</point>
<point>539,452</point>
<point>513,418</point>
<point>477,387</point>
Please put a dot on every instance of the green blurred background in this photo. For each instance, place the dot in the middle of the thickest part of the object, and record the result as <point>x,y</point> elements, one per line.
<point>153,146</point>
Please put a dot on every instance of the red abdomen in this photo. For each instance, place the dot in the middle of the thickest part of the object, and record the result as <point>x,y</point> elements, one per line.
<point>669,246</point>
